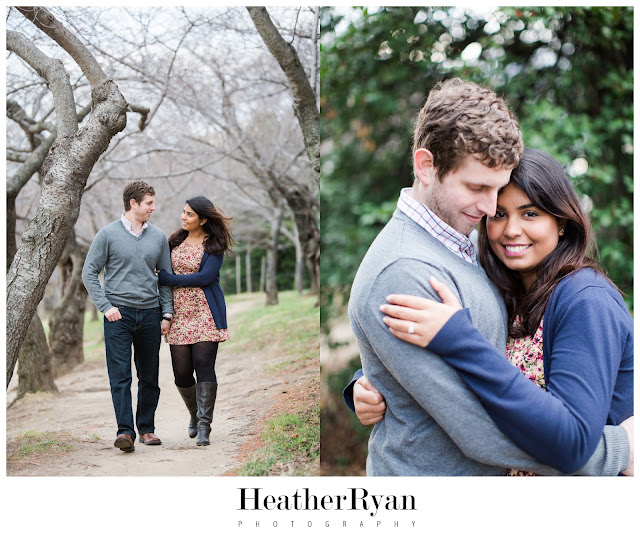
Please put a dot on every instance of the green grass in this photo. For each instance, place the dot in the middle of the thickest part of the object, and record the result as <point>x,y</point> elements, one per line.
<point>291,327</point>
<point>32,442</point>
<point>290,439</point>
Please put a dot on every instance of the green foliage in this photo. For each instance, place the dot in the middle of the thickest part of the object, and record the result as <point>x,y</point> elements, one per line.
<point>566,72</point>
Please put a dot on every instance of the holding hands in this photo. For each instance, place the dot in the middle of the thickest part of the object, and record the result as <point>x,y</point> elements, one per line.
<point>418,320</point>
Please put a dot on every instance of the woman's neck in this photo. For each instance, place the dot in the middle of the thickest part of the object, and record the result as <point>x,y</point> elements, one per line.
<point>195,238</point>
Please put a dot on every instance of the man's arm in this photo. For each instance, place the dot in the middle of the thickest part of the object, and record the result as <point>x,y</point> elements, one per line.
<point>612,451</point>
<point>93,265</point>
<point>165,292</point>
<point>436,387</point>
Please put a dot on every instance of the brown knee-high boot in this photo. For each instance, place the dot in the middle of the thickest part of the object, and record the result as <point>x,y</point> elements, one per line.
<point>188,395</point>
<point>206,399</point>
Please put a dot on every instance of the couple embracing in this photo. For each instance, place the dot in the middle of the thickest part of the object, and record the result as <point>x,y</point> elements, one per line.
<point>512,358</point>
<point>140,269</point>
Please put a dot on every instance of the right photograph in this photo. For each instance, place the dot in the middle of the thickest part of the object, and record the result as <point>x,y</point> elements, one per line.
<point>477,241</point>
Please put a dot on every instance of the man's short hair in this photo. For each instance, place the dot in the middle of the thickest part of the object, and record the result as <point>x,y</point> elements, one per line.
<point>460,119</point>
<point>136,191</point>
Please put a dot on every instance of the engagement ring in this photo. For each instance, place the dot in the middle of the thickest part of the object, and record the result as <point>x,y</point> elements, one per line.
<point>412,328</point>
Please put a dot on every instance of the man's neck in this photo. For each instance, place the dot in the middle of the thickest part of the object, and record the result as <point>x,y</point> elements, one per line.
<point>135,223</point>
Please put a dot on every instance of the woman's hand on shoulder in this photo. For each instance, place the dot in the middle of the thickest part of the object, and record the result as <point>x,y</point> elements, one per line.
<point>418,320</point>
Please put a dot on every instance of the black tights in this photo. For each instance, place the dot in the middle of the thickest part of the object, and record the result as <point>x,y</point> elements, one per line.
<point>200,357</point>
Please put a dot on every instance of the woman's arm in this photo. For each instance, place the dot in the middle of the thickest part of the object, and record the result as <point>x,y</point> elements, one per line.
<point>206,276</point>
<point>561,426</point>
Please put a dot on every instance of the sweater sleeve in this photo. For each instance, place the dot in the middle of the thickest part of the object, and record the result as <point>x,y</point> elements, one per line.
<point>164,265</point>
<point>563,425</point>
<point>206,276</point>
<point>93,265</point>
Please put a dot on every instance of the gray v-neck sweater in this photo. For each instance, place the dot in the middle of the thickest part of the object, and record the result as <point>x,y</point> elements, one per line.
<point>433,425</point>
<point>129,265</point>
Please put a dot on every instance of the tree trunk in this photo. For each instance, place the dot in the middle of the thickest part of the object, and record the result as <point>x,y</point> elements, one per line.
<point>93,310</point>
<point>263,272</point>
<point>35,367</point>
<point>238,274</point>
<point>65,170</point>
<point>304,98</point>
<point>66,323</point>
<point>272,258</point>
<point>304,205</point>
<point>298,280</point>
<point>248,270</point>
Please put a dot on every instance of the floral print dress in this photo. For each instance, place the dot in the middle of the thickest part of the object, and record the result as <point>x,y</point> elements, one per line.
<point>192,321</point>
<point>526,354</point>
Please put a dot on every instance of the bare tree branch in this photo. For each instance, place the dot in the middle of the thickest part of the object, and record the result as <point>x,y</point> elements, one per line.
<point>304,97</point>
<point>53,72</point>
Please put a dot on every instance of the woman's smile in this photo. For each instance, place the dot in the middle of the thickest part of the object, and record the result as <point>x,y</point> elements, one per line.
<point>515,250</point>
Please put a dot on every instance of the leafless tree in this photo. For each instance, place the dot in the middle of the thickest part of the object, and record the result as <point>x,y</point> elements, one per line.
<point>65,169</point>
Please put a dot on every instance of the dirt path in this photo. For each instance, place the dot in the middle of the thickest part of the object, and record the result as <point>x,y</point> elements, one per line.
<point>82,412</point>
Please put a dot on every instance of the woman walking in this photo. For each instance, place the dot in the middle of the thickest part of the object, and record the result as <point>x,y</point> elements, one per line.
<point>199,322</point>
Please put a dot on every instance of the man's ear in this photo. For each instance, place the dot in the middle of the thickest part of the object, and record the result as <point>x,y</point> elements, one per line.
<point>133,203</point>
<point>423,166</point>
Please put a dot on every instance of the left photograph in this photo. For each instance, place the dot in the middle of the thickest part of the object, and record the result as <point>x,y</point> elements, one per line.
<point>163,241</point>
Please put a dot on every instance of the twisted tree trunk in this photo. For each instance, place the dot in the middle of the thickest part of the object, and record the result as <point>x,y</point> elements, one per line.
<point>65,169</point>
<point>67,320</point>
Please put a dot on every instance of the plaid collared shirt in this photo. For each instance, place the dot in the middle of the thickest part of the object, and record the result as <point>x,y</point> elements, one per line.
<point>129,226</point>
<point>452,239</point>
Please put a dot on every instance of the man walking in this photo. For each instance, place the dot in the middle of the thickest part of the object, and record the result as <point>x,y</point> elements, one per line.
<point>466,142</point>
<point>130,251</point>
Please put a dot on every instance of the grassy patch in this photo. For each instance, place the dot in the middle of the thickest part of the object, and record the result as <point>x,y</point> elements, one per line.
<point>292,443</point>
<point>93,338</point>
<point>291,327</point>
<point>31,443</point>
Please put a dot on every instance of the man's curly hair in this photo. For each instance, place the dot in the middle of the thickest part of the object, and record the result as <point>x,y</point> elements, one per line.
<point>461,118</point>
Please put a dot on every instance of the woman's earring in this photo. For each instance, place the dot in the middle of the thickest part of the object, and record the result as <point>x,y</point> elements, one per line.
<point>561,231</point>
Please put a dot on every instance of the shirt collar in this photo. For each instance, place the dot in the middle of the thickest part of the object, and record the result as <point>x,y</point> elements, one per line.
<point>129,226</point>
<point>453,240</point>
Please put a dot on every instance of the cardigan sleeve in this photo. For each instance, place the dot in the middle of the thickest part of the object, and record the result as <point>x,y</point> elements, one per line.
<point>207,274</point>
<point>563,425</point>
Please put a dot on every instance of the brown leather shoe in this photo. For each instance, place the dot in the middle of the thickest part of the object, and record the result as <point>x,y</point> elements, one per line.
<point>150,439</point>
<point>124,442</point>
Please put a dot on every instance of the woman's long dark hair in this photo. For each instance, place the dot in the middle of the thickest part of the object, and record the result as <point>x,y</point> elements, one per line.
<point>219,238</point>
<point>544,181</point>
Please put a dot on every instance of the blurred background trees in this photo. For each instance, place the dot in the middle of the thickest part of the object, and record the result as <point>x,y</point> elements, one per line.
<point>566,72</point>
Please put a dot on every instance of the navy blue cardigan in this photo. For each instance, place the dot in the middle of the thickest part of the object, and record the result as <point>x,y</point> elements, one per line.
<point>587,342</point>
<point>208,278</point>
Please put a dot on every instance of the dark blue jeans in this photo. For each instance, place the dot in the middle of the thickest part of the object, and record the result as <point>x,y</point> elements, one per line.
<point>140,328</point>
